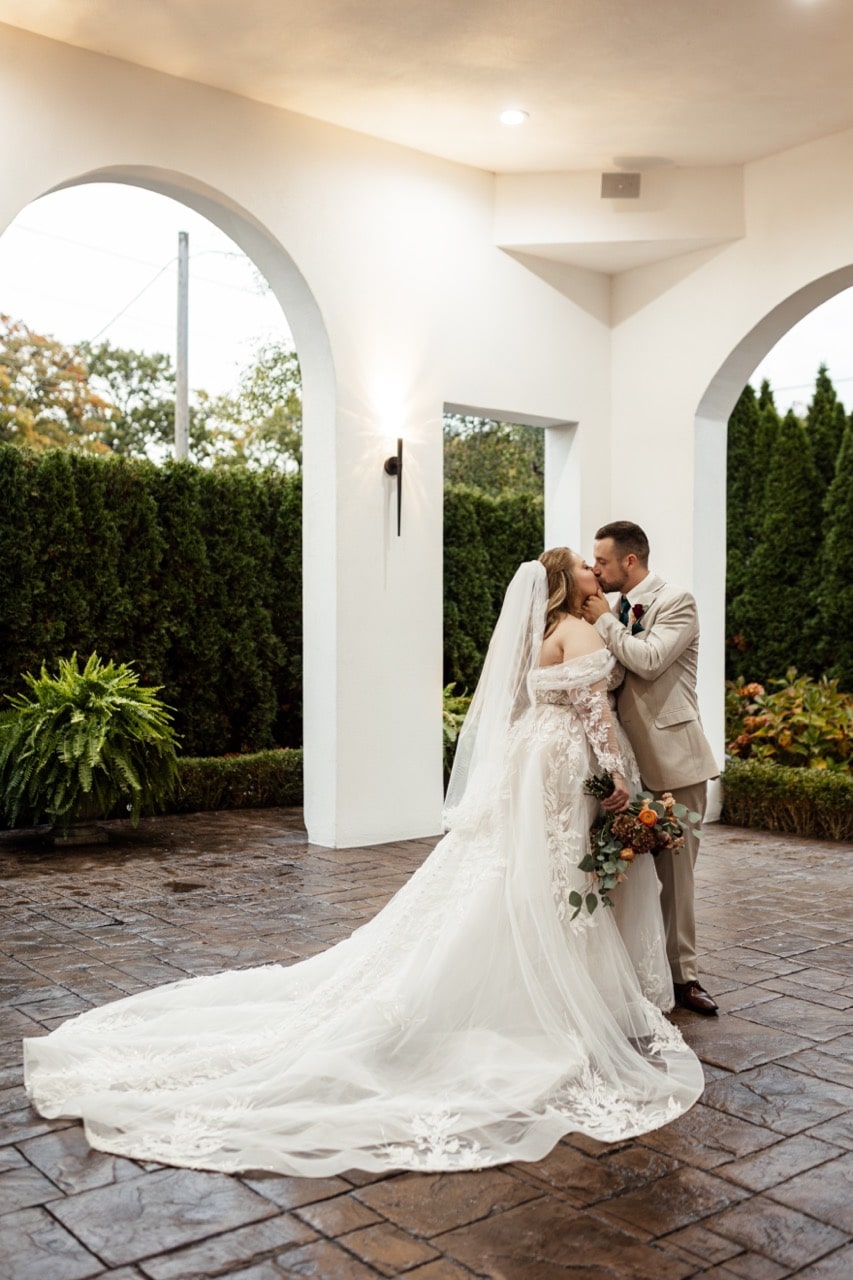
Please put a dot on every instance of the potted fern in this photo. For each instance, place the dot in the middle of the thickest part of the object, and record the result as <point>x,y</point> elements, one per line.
<point>81,743</point>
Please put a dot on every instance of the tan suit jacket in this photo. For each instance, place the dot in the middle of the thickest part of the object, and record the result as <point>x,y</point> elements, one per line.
<point>657,703</point>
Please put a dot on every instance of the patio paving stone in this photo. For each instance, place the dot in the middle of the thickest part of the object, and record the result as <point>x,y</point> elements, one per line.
<point>825,1192</point>
<point>754,1183</point>
<point>542,1240</point>
<point>778,1098</point>
<point>222,1252</point>
<point>162,1210</point>
<point>679,1198</point>
<point>774,1231</point>
<point>40,1249</point>
<point>766,1169</point>
<point>735,1043</point>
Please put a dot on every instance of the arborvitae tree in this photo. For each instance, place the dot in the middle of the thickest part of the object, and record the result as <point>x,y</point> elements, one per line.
<point>825,421</point>
<point>18,566</point>
<point>97,556</point>
<point>60,597</point>
<point>468,610</point>
<point>284,536</point>
<point>249,653</point>
<point>765,397</point>
<point>742,515</point>
<point>772,611</point>
<point>187,589</point>
<point>765,442</point>
<point>743,431</point>
<point>835,581</point>
<point>139,631</point>
<point>512,530</point>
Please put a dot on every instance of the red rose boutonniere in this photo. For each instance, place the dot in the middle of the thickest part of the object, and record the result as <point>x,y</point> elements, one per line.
<point>637,611</point>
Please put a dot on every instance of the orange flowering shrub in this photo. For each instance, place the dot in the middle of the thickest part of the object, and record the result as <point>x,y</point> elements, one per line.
<point>801,723</point>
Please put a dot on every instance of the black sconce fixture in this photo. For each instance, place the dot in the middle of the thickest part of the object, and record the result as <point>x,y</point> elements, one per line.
<point>394,467</point>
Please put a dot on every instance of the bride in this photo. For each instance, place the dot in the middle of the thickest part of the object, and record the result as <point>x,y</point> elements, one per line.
<point>472,1021</point>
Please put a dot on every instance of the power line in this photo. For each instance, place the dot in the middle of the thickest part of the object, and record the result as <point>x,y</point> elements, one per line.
<point>145,262</point>
<point>134,299</point>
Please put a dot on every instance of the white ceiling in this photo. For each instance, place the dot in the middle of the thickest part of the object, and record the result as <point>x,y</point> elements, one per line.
<point>607,83</point>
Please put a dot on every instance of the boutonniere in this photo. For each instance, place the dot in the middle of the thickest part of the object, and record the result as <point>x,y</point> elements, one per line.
<point>637,611</point>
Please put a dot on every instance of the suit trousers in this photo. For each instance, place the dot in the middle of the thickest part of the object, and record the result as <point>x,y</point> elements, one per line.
<point>675,872</point>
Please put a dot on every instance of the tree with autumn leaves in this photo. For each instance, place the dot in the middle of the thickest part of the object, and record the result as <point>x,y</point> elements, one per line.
<point>46,398</point>
<point>111,400</point>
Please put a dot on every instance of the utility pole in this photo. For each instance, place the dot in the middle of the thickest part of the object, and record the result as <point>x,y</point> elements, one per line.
<point>182,389</point>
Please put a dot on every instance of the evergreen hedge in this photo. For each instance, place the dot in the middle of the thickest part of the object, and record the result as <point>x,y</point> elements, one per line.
<point>816,803</point>
<point>261,780</point>
<point>192,575</point>
<point>195,576</point>
<point>485,540</point>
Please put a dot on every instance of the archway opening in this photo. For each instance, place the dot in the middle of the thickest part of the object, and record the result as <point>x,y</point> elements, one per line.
<point>299,305</point>
<point>710,497</point>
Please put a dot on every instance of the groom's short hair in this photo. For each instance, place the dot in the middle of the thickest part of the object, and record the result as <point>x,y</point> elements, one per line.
<point>628,539</point>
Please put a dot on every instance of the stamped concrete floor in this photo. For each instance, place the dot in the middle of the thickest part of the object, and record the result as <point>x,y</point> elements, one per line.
<point>755,1183</point>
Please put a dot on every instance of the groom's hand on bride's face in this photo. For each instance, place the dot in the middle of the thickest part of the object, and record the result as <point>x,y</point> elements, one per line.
<point>594,606</point>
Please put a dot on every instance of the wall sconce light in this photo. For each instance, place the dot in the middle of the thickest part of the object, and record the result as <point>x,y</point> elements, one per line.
<point>394,467</point>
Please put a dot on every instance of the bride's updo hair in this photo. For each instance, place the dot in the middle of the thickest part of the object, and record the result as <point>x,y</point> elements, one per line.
<point>563,590</point>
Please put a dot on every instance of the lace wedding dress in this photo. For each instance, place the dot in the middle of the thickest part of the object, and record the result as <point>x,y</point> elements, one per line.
<point>470,1023</point>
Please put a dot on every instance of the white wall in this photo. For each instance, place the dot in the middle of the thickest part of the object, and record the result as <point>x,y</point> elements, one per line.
<point>399,301</point>
<point>687,335</point>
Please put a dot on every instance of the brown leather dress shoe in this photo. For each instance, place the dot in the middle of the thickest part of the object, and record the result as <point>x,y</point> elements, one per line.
<point>691,996</point>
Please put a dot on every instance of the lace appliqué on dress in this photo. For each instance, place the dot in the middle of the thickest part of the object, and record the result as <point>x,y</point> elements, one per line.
<point>603,1110</point>
<point>435,1146</point>
<point>593,707</point>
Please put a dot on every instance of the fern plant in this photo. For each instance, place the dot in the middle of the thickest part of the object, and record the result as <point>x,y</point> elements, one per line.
<point>83,741</point>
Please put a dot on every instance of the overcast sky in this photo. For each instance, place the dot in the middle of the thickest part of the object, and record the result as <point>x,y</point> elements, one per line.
<point>100,261</point>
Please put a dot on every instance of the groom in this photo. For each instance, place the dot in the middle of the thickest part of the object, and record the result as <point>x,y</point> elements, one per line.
<point>654,633</point>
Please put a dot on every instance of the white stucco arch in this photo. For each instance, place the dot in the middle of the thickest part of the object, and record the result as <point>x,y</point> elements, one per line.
<point>709,486</point>
<point>318,395</point>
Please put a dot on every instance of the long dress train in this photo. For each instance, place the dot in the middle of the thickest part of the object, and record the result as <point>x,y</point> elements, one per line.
<point>471,1022</point>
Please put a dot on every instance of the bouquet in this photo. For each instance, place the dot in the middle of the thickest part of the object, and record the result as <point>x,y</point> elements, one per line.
<point>646,826</point>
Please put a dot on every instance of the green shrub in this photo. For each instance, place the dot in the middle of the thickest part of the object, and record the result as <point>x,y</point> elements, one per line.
<point>817,803</point>
<point>198,575</point>
<point>83,742</point>
<point>454,709</point>
<point>195,573</point>
<point>263,779</point>
<point>804,723</point>
<point>485,540</point>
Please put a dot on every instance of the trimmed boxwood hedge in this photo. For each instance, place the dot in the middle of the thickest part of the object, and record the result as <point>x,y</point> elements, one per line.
<point>264,779</point>
<point>817,803</point>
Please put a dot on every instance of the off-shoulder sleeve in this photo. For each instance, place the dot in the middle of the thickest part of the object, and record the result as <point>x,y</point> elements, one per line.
<point>593,707</point>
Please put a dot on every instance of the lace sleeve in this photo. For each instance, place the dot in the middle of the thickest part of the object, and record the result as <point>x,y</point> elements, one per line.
<point>593,706</point>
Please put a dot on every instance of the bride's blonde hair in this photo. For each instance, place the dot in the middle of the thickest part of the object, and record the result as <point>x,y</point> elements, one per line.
<point>563,590</point>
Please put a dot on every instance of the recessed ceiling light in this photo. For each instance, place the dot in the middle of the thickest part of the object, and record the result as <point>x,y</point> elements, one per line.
<point>513,116</point>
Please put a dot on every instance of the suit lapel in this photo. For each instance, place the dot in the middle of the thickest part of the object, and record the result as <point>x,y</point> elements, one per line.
<point>648,590</point>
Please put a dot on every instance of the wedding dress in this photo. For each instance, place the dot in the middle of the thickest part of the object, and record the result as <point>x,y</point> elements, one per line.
<point>470,1023</point>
